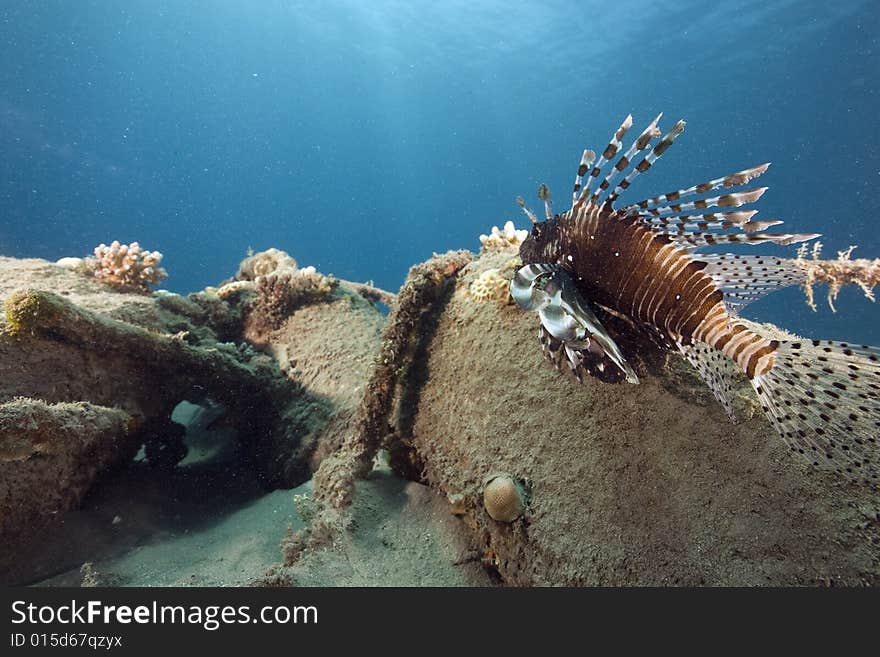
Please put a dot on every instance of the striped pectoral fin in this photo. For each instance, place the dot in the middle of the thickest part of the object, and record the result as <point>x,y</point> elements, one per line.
<point>717,371</point>
<point>593,341</point>
<point>744,279</point>
<point>823,397</point>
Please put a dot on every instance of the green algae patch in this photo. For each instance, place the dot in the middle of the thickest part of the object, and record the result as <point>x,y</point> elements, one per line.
<point>28,309</point>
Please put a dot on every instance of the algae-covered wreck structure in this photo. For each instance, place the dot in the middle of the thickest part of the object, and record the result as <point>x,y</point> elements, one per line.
<point>418,436</point>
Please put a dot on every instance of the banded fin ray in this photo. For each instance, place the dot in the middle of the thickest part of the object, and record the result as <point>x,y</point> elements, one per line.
<point>587,160</point>
<point>614,145</point>
<point>639,144</point>
<point>737,217</point>
<point>713,221</point>
<point>702,225</point>
<point>695,240</point>
<point>733,200</point>
<point>716,370</point>
<point>648,161</point>
<point>731,180</point>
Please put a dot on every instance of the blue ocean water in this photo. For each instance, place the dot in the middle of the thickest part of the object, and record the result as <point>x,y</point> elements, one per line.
<point>362,136</point>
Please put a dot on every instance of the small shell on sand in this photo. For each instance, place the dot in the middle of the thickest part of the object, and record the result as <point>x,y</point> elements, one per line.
<point>503,497</point>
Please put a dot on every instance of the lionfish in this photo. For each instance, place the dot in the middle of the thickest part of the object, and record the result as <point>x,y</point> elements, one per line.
<point>638,262</point>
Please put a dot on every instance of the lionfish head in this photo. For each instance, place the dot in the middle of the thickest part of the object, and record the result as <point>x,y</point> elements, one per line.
<point>541,242</point>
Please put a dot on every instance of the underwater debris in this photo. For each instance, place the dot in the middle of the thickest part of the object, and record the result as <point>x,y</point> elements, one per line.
<point>491,286</point>
<point>836,273</point>
<point>506,238</point>
<point>282,292</point>
<point>334,480</point>
<point>372,293</point>
<point>51,453</point>
<point>125,267</point>
<point>261,402</point>
<point>504,497</point>
<point>633,485</point>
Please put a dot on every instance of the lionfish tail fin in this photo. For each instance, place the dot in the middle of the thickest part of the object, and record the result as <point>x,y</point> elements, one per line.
<point>824,399</point>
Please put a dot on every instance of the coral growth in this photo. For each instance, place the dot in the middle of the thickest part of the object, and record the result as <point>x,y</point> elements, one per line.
<point>280,293</point>
<point>229,291</point>
<point>280,285</point>
<point>264,263</point>
<point>836,273</point>
<point>506,238</point>
<point>491,286</point>
<point>125,267</point>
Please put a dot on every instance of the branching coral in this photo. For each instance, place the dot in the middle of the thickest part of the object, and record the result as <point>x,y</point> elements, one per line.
<point>491,286</point>
<point>508,237</point>
<point>836,273</point>
<point>125,267</point>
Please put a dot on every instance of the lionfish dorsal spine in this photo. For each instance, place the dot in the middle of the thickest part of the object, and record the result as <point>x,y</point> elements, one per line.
<point>614,145</point>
